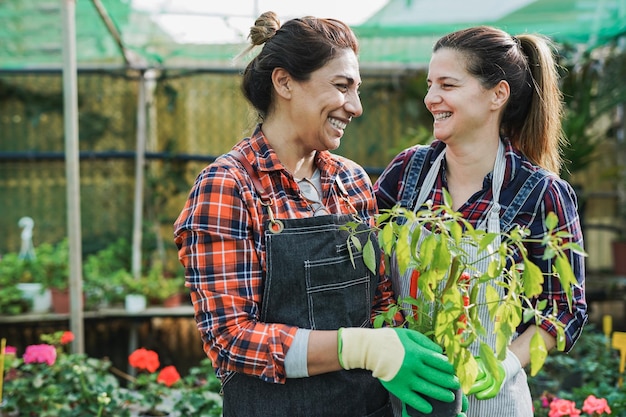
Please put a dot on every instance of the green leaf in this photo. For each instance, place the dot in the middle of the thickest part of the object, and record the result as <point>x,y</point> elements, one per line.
<point>566,277</point>
<point>528,315</point>
<point>369,256</point>
<point>386,237</point>
<point>532,278</point>
<point>356,242</point>
<point>551,221</point>
<point>456,231</point>
<point>493,300</point>
<point>486,240</point>
<point>538,353</point>
<point>427,249</point>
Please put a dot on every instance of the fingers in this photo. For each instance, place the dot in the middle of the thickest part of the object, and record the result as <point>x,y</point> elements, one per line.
<point>431,390</point>
<point>419,404</point>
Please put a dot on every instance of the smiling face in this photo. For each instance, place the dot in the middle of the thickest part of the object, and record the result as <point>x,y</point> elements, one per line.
<point>463,110</point>
<point>322,106</point>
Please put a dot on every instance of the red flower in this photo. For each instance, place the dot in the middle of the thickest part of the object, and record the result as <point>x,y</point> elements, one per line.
<point>144,359</point>
<point>40,354</point>
<point>168,376</point>
<point>593,405</point>
<point>67,337</point>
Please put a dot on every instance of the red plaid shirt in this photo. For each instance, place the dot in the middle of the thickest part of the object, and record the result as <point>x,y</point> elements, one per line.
<point>552,195</point>
<point>219,234</point>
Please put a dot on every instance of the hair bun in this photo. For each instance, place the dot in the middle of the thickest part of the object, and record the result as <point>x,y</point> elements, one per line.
<point>265,26</point>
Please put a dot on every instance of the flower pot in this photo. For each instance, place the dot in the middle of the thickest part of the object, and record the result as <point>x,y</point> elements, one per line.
<point>135,303</point>
<point>441,409</point>
<point>38,297</point>
<point>60,301</point>
<point>173,300</point>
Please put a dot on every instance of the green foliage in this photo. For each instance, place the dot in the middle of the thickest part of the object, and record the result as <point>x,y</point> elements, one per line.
<point>590,368</point>
<point>105,274</point>
<point>75,385</point>
<point>54,263</point>
<point>446,309</point>
<point>590,95</point>
<point>200,397</point>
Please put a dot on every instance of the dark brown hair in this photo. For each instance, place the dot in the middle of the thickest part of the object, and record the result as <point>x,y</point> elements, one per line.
<point>532,116</point>
<point>300,46</point>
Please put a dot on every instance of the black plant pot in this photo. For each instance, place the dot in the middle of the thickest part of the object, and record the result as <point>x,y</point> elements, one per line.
<point>441,409</point>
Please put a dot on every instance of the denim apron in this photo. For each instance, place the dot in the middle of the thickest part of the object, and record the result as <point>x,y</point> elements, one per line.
<point>514,399</point>
<point>312,283</point>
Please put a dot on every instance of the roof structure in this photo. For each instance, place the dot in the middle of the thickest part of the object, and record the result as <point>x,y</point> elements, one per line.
<point>32,37</point>
<point>400,35</point>
<point>403,32</point>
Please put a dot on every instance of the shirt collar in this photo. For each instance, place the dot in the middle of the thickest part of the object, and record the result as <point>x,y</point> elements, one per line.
<point>267,160</point>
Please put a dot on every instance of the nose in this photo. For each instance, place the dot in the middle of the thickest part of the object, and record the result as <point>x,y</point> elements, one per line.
<point>353,104</point>
<point>431,97</point>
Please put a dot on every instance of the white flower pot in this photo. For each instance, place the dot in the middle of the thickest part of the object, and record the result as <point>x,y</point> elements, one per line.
<point>135,302</point>
<point>40,298</point>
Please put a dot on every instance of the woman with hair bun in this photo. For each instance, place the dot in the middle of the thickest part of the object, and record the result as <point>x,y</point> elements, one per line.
<point>284,314</point>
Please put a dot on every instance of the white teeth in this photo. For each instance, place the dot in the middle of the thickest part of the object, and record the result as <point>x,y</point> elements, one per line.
<point>441,116</point>
<point>337,123</point>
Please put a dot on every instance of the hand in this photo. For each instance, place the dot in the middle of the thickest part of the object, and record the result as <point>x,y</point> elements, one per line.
<point>407,363</point>
<point>488,386</point>
<point>406,410</point>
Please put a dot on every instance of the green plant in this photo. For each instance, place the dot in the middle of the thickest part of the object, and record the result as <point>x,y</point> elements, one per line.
<point>53,260</point>
<point>48,382</point>
<point>156,286</point>
<point>447,303</point>
<point>200,397</point>
<point>15,269</point>
<point>105,274</point>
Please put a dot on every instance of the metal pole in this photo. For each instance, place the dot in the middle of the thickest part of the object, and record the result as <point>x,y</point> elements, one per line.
<point>70,121</point>
<point>139,176</point>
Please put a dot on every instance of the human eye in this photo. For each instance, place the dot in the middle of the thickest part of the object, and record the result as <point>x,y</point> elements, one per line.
<point>342,87</point>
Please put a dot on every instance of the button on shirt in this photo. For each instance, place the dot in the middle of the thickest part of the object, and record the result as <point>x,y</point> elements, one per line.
<point>219,234</point>
<point>552,195</point>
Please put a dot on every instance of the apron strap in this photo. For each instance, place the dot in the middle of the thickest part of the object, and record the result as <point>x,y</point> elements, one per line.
<point>520,198</point>
<point>276,226</point>
<point>256,181</point>
<point>413,172</point>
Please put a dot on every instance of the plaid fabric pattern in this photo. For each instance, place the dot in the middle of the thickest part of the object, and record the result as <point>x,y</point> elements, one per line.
<point>219,234</point>
<point>551,195</point>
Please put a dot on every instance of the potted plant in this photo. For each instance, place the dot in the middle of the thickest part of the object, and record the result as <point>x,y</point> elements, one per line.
<point>162,287</point>
<point>24,276</point>
<point>447,303</point>
<point>54,263</point>
<point>105,273</point>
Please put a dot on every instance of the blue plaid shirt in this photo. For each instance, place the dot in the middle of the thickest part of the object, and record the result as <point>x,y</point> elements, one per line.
<point>552,195</point>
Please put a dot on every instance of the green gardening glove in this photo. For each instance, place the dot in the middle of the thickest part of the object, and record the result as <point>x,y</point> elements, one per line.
<point>488,386</point>
<point>407,363</point>
<point>406,410</point>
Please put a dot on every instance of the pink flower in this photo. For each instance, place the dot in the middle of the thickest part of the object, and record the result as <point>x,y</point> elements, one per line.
<point>596,405</point>
<point>40,354</point>
<point>10,350</point>
<point>563,408</point>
